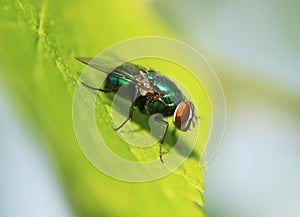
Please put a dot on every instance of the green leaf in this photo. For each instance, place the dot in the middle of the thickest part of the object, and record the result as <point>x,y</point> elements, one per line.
<point>39,40</point>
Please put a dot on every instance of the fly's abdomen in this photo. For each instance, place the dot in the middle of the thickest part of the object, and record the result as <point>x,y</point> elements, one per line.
<point>113,82</point>
<point>128,71</point>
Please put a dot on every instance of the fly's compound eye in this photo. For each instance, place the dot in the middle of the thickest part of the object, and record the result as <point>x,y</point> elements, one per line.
<point>183,115</point>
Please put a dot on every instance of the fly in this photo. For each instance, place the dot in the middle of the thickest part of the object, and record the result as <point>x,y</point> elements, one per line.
<point>152,93</point>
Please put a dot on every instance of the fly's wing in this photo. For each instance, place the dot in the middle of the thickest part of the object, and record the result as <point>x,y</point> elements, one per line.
<point>106,67</point>
<point>127,71</point>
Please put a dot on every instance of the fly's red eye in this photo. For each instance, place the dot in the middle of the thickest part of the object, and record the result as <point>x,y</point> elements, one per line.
<point>183,115</point>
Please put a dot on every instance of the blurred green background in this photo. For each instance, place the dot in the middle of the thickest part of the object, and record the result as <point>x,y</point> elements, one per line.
<point>253,47</point>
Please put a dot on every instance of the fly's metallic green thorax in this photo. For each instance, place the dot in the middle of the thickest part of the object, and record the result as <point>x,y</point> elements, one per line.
<point>170,95</point>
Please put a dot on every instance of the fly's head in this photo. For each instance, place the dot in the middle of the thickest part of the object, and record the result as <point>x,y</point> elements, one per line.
<point>184,116</point>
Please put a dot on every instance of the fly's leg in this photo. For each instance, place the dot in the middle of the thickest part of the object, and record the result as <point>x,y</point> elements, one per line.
<point>131,110</point>
<point>132,107</point>
<point>99,89</point>
<point>161,142</point>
